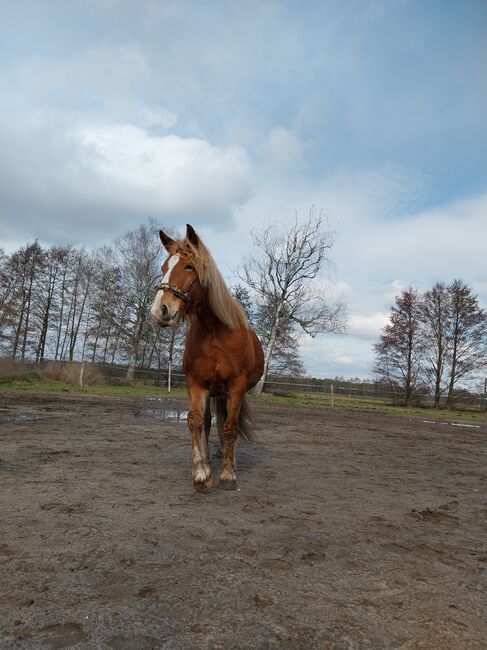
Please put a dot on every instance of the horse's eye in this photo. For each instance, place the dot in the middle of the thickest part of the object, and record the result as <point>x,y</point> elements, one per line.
<point>189,267</point>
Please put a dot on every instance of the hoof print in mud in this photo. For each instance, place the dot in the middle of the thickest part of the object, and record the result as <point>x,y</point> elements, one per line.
<point>228,484</point>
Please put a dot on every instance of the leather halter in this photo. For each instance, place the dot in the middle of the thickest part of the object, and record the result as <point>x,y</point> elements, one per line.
<point>184,295</point>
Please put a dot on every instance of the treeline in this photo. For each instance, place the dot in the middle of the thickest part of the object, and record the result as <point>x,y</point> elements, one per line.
<point>434,340</point>
<point>67,303</point>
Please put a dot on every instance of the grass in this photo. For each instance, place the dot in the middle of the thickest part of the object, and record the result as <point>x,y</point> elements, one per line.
<point>304,400</point>
<point>374,405</point>
<point>98,389</point>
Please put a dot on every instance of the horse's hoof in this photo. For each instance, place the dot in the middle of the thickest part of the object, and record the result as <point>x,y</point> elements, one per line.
<point>228,484</point>
<point>205,487</point>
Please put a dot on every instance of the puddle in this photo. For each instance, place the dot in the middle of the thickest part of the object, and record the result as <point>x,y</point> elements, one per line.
<point>177,415</point>
<point>464,425</point>
<point>29,417</point>
<point>22,417</point>
<point>461,424</point>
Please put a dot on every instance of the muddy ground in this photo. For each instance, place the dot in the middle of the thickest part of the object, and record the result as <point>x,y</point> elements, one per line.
<point>348,531</point>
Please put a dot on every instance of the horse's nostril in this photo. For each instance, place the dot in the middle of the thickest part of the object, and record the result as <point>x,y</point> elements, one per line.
<point>164,311</point>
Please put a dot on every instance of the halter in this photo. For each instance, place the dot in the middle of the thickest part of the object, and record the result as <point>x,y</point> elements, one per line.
<point>184,295</point>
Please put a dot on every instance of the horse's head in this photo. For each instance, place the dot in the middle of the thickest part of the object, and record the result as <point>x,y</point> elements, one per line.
<point>179,284</point>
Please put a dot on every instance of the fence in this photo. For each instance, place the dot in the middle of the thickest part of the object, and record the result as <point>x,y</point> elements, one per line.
<point>366,391</point>
<point>288,386</point>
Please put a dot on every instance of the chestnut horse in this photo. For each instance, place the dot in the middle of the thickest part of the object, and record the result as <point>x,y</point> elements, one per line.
<point>223,357</point>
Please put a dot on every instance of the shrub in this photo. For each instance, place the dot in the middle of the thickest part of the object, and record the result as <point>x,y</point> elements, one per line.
<point>68,372</point>
<point>11,370</point>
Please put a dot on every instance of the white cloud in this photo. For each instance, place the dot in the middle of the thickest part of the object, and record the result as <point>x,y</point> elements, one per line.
<point>367,326</point>
<point>179,174</point>
<point>110,176</point>
<point>282,149</point>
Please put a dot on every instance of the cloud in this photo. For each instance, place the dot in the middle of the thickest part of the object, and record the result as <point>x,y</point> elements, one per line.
<point>89,151</point>
<point>110,176</point>
<point>282,150</point>
<point>367,326</point>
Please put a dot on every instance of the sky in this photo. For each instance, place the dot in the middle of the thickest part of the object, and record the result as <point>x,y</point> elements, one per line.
<point>233,116</point>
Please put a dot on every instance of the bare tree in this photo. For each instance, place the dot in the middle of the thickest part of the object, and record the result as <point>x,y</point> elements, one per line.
<point>398,352</point>
<point>468,346</point>
<point>48,289</point>
<point>285,358</point>
<point>138,258</point>
<point>282,280</point>
<point>9,283</point>
<point>24,267</point>
<point>435,317</point>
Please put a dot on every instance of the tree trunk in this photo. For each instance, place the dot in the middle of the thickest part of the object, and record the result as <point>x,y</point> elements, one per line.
<point>61,314</point>
<point>453,373</point>
<point>135,347</point>
<point>19,326</point>
<point>270,347</point>
<point>169,361</point>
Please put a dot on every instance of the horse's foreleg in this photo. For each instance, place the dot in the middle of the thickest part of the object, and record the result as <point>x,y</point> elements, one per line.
<point>197,419</point>
<point>228,480</point>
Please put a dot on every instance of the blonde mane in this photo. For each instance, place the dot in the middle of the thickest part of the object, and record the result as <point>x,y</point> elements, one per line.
<point>225,307</point>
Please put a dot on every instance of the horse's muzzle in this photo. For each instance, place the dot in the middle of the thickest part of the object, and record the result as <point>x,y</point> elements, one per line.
<point>165,319</point>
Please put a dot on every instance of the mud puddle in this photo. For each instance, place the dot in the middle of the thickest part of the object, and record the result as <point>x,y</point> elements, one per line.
<point>463,425</point>
<point>174,415</point>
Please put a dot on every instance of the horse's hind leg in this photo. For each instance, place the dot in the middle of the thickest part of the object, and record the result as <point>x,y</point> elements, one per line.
<point>197,419</point>
<point>207,421</point>
<point>228,480</point>
<point>221,416</point>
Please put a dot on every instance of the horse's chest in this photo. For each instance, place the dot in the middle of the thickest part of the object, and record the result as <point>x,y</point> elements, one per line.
<point>209,365</point>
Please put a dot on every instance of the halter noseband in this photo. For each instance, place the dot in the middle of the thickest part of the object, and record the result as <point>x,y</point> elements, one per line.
<point>184,295</point>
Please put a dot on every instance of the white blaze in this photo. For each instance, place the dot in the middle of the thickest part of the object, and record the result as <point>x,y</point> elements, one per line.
<point>156,305</point>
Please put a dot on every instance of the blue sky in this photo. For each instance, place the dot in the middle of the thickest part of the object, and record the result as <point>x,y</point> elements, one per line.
<point>232,116</point>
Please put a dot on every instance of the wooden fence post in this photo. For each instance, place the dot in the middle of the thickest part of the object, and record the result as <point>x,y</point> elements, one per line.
<point>82,376</point>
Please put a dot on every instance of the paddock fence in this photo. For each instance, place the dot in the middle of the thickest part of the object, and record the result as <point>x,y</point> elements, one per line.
<point>279,386</point>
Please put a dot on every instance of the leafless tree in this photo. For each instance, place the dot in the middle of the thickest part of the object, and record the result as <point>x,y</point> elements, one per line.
<point>23,268</point>
<point>285,359</point>
<point>139,255</point>
<point>435,319</point>
<point>48,288</point>
<point>468,345</point>
<point>282,276</point>
<point>9,282</point>
<point>398,352</point>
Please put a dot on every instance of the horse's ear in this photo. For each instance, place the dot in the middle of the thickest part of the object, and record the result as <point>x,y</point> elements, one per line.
<point>191,235</point>
<point>167,242</point>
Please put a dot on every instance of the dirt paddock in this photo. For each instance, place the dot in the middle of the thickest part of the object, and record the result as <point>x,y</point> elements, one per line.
<point>348,531</point>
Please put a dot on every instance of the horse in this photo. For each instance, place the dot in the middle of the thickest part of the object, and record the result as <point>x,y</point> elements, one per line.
<point>223,357</point>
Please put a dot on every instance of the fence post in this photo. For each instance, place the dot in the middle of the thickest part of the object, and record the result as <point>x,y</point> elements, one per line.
<point>332,394</point>
<point>82,376</point>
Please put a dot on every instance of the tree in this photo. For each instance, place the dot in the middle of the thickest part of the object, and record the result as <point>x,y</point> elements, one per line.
<point>398,352</point>
<point>435,318</point>
<point>24,266</point>
<point>468,345</point>
<point>285,358</point>
<point>242,294</point>
<point>138,254</point>
<point>8,291</point>
<point>47,289</point>
<point>282,281</point>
